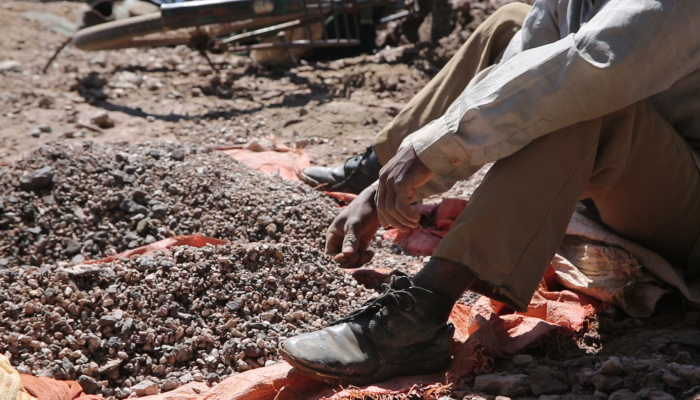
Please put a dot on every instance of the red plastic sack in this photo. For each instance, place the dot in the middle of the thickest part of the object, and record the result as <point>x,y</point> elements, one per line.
<point>52,389</point>
<point>436,221</point>
<point>270,157</point>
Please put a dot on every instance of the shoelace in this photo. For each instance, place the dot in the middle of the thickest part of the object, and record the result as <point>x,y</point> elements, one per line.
<point>391,297</point>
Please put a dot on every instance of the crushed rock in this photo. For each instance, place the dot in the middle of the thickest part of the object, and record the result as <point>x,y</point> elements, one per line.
<point>88,201</point>
<point>158,321</point>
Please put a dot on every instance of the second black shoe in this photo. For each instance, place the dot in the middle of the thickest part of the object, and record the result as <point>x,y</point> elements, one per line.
<point>354,176</point>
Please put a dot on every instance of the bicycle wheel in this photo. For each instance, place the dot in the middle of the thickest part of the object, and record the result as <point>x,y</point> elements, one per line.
<point>117,34</point>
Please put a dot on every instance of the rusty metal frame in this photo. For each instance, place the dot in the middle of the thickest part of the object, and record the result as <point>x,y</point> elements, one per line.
<point>314,11</point>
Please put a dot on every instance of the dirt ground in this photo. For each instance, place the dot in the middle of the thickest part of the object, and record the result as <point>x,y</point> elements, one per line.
<point>172,94</point>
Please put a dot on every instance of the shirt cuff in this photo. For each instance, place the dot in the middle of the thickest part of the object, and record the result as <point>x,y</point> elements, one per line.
<point>438,149</point>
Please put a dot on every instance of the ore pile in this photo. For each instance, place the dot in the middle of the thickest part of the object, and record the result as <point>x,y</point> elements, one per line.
<point>173,316</point>
<point>86,201</point>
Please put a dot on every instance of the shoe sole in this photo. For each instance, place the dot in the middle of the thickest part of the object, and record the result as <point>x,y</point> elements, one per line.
<point>310,181</point>
<point>385,372</point>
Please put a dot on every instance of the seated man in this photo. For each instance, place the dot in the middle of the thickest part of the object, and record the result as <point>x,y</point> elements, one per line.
<point>591,99</point>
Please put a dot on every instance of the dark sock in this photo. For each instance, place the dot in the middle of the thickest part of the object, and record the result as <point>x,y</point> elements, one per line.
<point>445,277</point>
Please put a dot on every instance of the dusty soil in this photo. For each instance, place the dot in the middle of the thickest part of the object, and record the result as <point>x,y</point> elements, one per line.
<point>172,95</point>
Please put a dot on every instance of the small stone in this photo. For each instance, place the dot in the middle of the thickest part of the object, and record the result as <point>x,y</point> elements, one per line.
<point>612,366</point>
<point>606,383</point>
<point>38,179</point>
<point>35,133</point>
<point>503,384</point>
<point>145,388</point>
<point>73,247</point>
<point>624,394</point>
<point>103,120</point>
<point>78,259</point>
<point>109,366</point>
<point>177,155</point>
<point>659,395</point>
<point>671,379</point>
<point>89,384</point>
<point>520,359</point>
<point>169,385</point>
<point>10,66</point>
<point>545,380</point>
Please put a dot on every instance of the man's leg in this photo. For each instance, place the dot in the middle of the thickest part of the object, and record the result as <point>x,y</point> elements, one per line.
<point>639,172</point>
<point>481,50</point>
<point>635,167</point>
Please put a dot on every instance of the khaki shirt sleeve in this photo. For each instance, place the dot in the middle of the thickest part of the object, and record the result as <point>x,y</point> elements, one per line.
<point>630,50</point>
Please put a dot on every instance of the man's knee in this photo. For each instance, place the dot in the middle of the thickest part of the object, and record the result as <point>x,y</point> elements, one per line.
<point>512,12</point>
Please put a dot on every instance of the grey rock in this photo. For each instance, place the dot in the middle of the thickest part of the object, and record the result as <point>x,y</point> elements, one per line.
<point>145,388</point>
<point>132,207</point>
<point>607,383</point>
<point>624,394</point>
<point>503,384</point>
<point>110,366</point>
<point>10,66</point>
<point>177,155</point>
<point>545,380</point>
<point>73,247</point>
<point>520,359</point>
<point>38,179</point>
<point>102,120</point>
<point>612,366</point>
<point>89,384</point>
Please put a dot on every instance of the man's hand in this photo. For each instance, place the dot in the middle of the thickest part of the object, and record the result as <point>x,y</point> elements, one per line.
<point>398,182</point>
<point>352,231</point>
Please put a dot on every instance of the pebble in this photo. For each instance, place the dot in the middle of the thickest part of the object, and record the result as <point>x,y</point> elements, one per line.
<point>10,66</point>
<point>510,385</point>
<point>203,313</point>
<point>145,388</point>
<point>113,198</point>
<point>612,366</point>
<point>520,359</point>
<point>37,179</point>
<point>102,120</point>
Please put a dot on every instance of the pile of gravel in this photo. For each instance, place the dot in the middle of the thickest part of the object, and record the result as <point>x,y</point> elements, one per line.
<point>161,320</point>
<point>63,203</point>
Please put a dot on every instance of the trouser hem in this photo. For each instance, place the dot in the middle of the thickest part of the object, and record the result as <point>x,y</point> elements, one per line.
<point>489,289</point>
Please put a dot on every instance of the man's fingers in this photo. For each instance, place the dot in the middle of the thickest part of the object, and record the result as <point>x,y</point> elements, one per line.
<point>334,243</point>
<point>351,240</point>
<point>379,201</point>
<point>403,207</point>
<point>394,216</point>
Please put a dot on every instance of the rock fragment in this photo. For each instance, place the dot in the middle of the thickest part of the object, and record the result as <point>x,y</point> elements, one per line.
<point>503,384</point>
<point>37,179</point>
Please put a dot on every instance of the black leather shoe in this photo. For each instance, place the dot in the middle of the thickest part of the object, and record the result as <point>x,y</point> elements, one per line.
<point>354,176</point>
<point>401,332</point>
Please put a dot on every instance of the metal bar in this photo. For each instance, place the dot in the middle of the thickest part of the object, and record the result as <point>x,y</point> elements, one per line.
<point>396,16</point>
<point>345,19</point>
<point>207,12</point>
<point>335,20</point>
<point>357,17</point>
<point>298,44</point>
<point>320,14</point>
<point>263,31</point>
<point>308,22</point>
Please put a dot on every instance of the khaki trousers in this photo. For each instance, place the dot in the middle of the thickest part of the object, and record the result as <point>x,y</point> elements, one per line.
<point>639,172</point>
